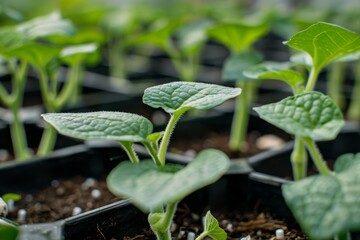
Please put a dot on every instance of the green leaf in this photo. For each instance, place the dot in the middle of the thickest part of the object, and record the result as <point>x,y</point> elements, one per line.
<point>325,42</point>
<point>45,26</point>
<point>75,54</point>
<point>277,72</point>
<point>301,59</point>
<point>160,33</point>
<point>327,205</point>
<point>192,36</point>
<point>10,39</point>
<point>311,114</point>
<point>347,162</point>
<point>182,96</point>
<point>236,64</point>
<point>37,54</point>
<point>237,37</point>
<point>11,196</point>
<point>211,227</point>
<point>155,137</point>
<point>149,186</point>
<point>116,126</point>
<point>8,232</point>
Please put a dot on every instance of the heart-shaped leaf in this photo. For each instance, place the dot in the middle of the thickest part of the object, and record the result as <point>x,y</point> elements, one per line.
<point>275,71</point>
<point>182,96</point>
<point>192,36</point>
<point>116,126</point>
<point>149,186</point>
<point>325,42</point>
<point>236,64</point>
<point>211,227</point>
<point>327,205</point>
<point>76,54</point>
<point>37,54</point>
<point>310,114</point>
<point>237,37</point>
<point>160,33</point>
<point>45,26</point>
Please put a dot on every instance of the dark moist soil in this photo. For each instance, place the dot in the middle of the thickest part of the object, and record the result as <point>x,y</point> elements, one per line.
<point>60,198</point>
<point>255,143</point>
<point>237,225</point>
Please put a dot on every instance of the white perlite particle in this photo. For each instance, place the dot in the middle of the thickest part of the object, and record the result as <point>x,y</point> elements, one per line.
<point>279,233</point>
<point>191,236</point>
<point>76,211</point>
<point>21,215</point>
<point>3,208</point>
<point>246,238</point>
<point>96,193</point>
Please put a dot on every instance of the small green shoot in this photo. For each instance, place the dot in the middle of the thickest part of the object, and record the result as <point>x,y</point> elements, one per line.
<point>142,180</point>
<point>185,56</point>
<point>239,38</point>
<point>323,205</point>
<point>212,229</point>
<point>18,47</point>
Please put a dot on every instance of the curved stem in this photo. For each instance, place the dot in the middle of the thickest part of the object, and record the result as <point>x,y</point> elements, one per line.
<point>240,119</point>
<point>47,142</point>
<point>4,96</point>
<point>70,89</point>
<point>317,157</point>
<point>201,236</point>
<point>299,159</point>
<point>152,152</point>
<point>163,232</point>
<point>128,148</point>
<point>312,79</point>
<point>47,95</point>
<point>166,137</point>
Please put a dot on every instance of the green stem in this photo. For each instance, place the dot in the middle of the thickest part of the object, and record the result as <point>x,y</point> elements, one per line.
<point>162,229</point>
<point>18,137</point>
<point>77,76</point>
<point>4,96</point>
<point>128,148</point>
<point>240,119</point>
<point>17,130</point>
<point>47,95</point>
<point>354,108</point>
<point>299,159</point>
<point>70,88</point>
<point>343,236</point>
<point>152,152</point>
<point>336,76</point>
<point>317,157</point>
<point>47,142</point>
<point>312,79</point>
<point>166,137</point>
<point>202,236</point>
<point>117,60</point>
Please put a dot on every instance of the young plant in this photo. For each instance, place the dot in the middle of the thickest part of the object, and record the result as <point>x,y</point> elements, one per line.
<point>239,38</point>
<point>15,45</point>
<point>142,180</point>
<point>315,42</point>
<point>185,55</point>
<point>323,204</point>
